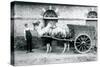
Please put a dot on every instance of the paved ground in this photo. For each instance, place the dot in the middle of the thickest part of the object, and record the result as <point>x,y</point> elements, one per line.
<point>40,57</point>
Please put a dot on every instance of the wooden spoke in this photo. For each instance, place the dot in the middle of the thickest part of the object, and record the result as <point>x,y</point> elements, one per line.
<point>82,44</point>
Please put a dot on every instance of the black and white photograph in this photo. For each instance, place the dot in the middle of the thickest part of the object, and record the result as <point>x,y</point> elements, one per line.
<point>53,33</point>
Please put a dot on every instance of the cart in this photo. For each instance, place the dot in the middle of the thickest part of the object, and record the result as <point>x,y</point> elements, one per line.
<point>81,35</point>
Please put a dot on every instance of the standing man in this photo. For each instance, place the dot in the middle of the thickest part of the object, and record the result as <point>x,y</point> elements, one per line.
<point>28,38</point>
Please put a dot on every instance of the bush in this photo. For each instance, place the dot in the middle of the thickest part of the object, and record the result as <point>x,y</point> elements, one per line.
<point>20,43</point>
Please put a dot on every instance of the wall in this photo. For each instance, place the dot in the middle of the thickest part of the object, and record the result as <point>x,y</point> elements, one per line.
<point>29,13</point>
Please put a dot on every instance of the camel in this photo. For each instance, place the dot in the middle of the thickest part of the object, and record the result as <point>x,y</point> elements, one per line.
<point>52,30</point>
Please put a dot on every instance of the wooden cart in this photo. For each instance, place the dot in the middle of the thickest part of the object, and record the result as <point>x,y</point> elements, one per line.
<point>81,35</point>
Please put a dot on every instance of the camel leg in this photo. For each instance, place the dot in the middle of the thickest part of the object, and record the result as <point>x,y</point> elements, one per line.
<point>68,47</point>
<point>48,46</point>
<point>65,45</point>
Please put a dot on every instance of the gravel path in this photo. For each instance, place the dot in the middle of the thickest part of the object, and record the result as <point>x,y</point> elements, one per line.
<point>40,57</point>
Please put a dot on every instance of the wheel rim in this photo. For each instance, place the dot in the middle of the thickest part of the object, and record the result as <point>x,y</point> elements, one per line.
<point>83,43</point>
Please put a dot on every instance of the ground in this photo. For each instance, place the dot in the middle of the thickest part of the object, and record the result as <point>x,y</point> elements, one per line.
<point>39,56</point>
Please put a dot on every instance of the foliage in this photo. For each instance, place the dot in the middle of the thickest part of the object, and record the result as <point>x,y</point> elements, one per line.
<point>20,43</point>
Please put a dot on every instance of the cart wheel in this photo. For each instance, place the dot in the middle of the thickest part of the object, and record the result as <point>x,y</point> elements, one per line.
<point>82,44</point>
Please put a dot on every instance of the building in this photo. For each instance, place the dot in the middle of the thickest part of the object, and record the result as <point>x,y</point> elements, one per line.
<point>27,12</point>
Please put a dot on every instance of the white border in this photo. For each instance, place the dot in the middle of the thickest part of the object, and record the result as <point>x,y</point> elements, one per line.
<point>5,32</point>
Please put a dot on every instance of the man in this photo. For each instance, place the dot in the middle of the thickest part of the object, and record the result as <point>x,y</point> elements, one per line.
<point>28,38</point>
